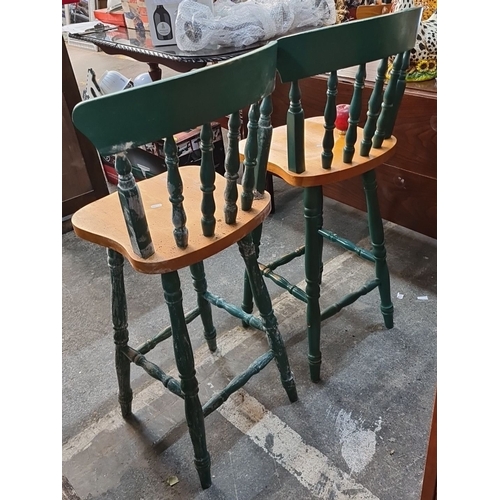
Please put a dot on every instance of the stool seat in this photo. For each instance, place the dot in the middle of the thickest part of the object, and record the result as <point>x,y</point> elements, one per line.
<point>315,175</point>
<point>102,223</point>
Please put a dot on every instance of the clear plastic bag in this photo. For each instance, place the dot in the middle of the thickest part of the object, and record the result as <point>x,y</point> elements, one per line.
<point>245,23</point>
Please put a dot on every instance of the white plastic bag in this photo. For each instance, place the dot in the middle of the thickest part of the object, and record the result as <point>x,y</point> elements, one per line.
<point>245,23</point>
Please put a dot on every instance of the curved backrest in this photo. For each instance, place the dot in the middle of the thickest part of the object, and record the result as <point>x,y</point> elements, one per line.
<point>136,116</point>
<point>328,49</point>
<point>346,44</point>
<point>121,121</point>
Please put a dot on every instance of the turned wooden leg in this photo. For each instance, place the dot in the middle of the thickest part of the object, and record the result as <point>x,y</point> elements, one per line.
<point>376,229</point>
<point>120,327</point>
<point>247,304</point>
<point>189,384</point>
<point>264,304</point>
<point>270,190</point>
<point>313,208</point>
<point>200,285</point>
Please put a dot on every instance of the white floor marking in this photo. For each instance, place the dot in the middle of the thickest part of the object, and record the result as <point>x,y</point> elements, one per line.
<point>312,469</point>
<point>357,444</point>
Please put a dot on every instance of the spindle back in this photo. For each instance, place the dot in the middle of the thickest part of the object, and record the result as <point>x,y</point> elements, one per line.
<point>328,49</point>
<point>121,121</point>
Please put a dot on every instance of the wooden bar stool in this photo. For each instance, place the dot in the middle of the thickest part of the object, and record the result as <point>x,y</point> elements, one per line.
<point>311,153</point>
<point>207,212</point>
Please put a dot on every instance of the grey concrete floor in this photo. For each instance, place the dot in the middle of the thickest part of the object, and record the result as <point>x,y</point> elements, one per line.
<point>361,433</point>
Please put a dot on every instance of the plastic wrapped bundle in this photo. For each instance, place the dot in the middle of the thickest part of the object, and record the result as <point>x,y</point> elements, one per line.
<point>245,23</point>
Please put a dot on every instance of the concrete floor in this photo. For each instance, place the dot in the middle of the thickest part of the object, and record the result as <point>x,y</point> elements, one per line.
<point>361,433</point>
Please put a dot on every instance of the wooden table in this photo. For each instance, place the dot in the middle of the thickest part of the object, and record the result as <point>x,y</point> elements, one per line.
<point>407,185</point>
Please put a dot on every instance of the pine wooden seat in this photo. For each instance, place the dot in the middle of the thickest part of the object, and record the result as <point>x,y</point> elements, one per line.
<point>180,218</point>
<point>93,223</point>
<point>315,174</point>
<point>311,153</point>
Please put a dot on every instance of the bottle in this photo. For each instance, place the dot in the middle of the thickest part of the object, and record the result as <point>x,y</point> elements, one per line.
<point>162,23</point>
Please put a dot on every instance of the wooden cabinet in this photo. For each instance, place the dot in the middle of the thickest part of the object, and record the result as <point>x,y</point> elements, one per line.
<point>83,179</point>
<point>407,185</point>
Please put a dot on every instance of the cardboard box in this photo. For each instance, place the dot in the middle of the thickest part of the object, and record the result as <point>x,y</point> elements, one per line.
<point>161,17</point>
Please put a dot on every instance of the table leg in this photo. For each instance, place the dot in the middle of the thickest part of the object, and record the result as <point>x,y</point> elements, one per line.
<point>154,71</point>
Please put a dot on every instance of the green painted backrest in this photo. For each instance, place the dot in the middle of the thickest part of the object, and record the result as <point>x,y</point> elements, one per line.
<point>136,116</point>
<point>347,44</point>
<point>121,121</point>
<point>328,49</point>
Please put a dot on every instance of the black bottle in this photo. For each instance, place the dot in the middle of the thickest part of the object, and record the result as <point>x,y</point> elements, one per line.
<point>163,23</point>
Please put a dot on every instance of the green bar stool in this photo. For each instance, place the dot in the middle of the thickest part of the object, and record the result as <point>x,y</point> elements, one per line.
<point>182,217</point>
<point>312,153</point>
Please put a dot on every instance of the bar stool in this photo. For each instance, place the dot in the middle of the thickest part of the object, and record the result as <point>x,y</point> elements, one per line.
<point>312,153</point>
<point>208,213</point>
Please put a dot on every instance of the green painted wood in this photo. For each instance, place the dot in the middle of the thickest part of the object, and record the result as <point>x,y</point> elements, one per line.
<point>207,179</point>
<point>313,208</point>
<point>330,116</point>
<point>264,305</point>
<point>400,90</point>
<point>234,311</point>
<point>349,299</point>
<point>347,44</point>
<point>120,328</point>
<point>376,229</point>
<point>174,186</point>
<point>387,114</point>
<point>132,112</point>
<point>189,384</point>
<point>374,106</point>
<point>133,208</point>
<point>347,244</point>
<point>154,371</point>
<point>282,282</point>
<point>247,304</point>
<point>166,333</point>
<point>232,165</point>
<point>264,136</point>
<point>250,161</point>
<point>237,383</point>
<point>200,285</point>
<point>285,259</point>
<point>351,134</point>
<point>295,131</point>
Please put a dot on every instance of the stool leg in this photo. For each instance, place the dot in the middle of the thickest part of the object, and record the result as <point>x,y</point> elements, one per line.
<point>120,327</point>
<point>247,304</point>
<point>264,304</point>
<point>189,384</point>
<point>313,208</point>
<point>376,229</point>
<point>200,285</point>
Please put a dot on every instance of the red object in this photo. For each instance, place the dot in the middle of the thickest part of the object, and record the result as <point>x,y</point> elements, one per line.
<point>115,18</point>
<point>64,2</point>
<point>342,120</point>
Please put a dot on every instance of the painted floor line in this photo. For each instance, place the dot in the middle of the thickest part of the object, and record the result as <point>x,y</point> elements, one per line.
<point>311,468</point>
